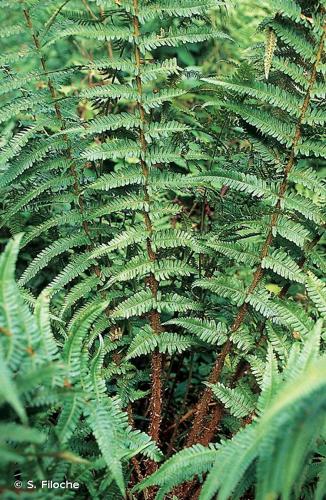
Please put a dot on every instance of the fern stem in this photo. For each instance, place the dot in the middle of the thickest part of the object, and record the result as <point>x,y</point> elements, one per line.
<point>57,109</point>
<point>218,410</point>
<point>196,434</point>
<point>154,316</point>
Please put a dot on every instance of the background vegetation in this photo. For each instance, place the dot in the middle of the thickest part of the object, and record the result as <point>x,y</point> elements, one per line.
<point>162,296</point>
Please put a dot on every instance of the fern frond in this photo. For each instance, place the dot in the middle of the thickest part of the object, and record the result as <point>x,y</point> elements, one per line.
<point>108,424</point>
<point>264,92</point>
<point>305,207</point>
<point>69,417</point>
<point>317,292</point>
<point>123,177</point>
<point>238,401</point>
<point>80,290</point>
<point>55,184</point>
<point>292,231</point>
<point>294,317</point>
<point>182,466</point>
<point>26,160</point>
<point>312,148</point>
<point>113,149</point>
<point>146,342</point>
<point>76,267</point>
<point>57,248</point>
<point>281,263</point>
<point>236,251</point>
<point>123,240</point>
<point>295,39</point>
<point>94,31</point>
<point>158,70</point>
<point>229,288</point>
<point>205,329</point>
<point>78,330</point>
<point>157,130</point>
<point>140,303</point>
<point>246,183</point>
<point>178,37</point>
<point>187,9</point>
<point>104,123</point>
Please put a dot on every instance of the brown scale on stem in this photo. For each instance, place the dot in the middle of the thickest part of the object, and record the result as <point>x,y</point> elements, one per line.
<point>155,405</point>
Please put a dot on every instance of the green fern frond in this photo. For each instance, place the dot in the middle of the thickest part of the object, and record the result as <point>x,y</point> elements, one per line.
<point>69,417</point>
<point>140,303</point>
<point>108,425</point>
<point>77,332</point>
<point>75,268</point>
<point>281,263</point>
<point>157,130</point>
<point>236,251</point>
<point>26,160</point>
<point>55,184</point>
<point>123,177</point>
<point>104,123</point>
<point>229,288</point>
<point>80,290</point>
<point>42,260</point>
<point>189,8</point>
<point>181,36</point>
<point>305,207</point>
<point>238,401</point>
<point>94,31</point>
<point>123,240</point>
<point>290,69</point>
<point>146,342</point>
<point>317,292</point>
<point>294,317</point>
<point>264,92</point>
<point>312,148</point>
<point>292,37</point>
<point>182,466</point>
<point>206,330</point>
<point>292,231</point>
<point>113,149</point>
<point>158,70</point>
<point>288,8</point>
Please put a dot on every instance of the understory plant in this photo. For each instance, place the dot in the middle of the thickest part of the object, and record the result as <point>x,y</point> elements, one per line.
<point>168,220</point>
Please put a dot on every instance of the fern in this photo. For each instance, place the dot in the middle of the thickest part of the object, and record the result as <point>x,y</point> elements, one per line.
<point>206,330</point>
<point>162,196</point>
<point>316,290</point>
<point>44,382</point>
<point>236,400</point>
<point>255,441</point>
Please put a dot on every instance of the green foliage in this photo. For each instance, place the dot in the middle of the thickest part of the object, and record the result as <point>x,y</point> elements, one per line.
<point>286,429</point>
<point>162,199</point>
<point>42,385</point>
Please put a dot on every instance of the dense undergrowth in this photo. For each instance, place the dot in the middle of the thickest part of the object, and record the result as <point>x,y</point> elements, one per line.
<point>162,219</point>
